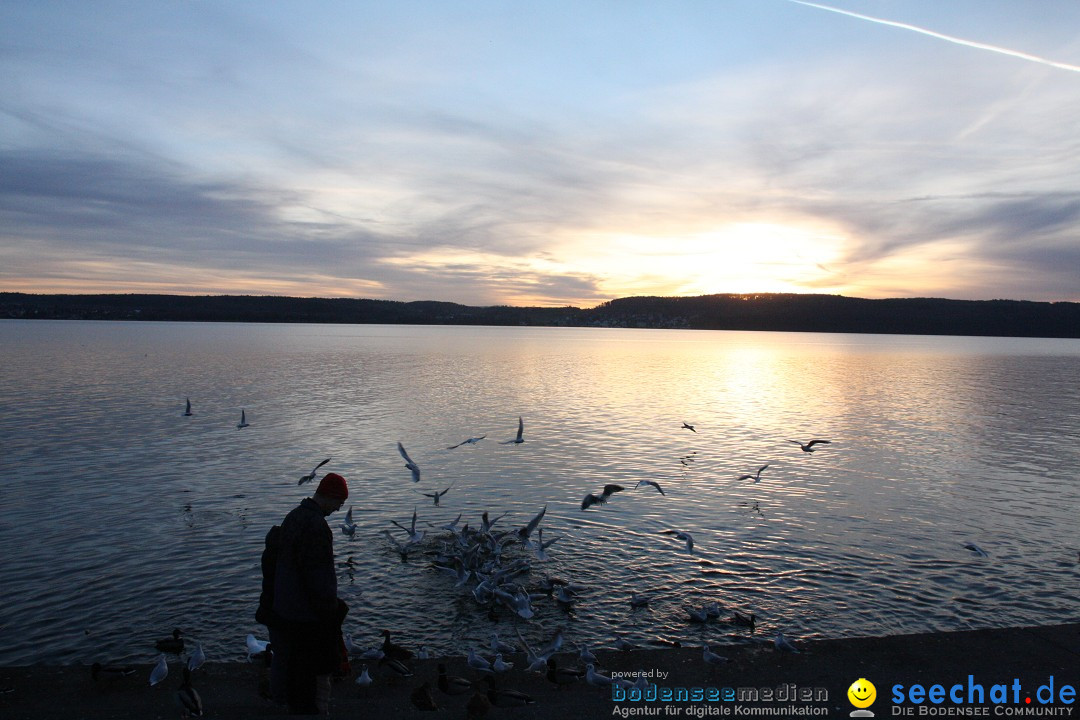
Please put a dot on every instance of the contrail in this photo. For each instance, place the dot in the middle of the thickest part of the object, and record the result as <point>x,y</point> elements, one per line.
<point>942,36</point>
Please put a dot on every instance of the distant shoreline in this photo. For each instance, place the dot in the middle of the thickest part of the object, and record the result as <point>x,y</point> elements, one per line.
<point>762,312</point>
<point>1026,660</point>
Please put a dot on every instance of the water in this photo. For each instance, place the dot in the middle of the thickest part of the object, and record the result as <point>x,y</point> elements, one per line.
<point>122,519</point>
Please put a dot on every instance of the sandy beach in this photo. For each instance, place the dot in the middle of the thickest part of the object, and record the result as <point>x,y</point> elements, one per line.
<point>1011,668</point>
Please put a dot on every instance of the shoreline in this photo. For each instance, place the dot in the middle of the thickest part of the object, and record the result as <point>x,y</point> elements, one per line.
<point>1021,659</point>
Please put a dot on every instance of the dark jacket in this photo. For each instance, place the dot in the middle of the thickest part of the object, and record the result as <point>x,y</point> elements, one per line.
<point>305,581</point>
<point>265,613</point>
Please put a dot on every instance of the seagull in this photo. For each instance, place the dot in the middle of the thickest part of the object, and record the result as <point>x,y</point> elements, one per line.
<point>470,441</point>
<point>187,409</point>
<point>688,427</point>
<point>601,499</point>
<point>197,658</point>
<point>976,549</point>
<point>525,532</point>
<point>403,550</point>
<point>478,663</point>
<point>188,699</point>
<point>518,439</point>
<point>243,420</point>
<point>697,616</point>
<point>452,526</point>
<point>783,644</point>
<point>650,482</point>
<point>414,535</point>
<point>311,475</point>
<point>594,678</point>
<point>710,657</point>
<point>413,467</point>
<point>436,495</point>
<point>756,477</point>
<point>349,527</point>
<point>638,600</point>
<point>683,535</point>
<point>160,671</point>
<point>541,547</point>
<point>254,647</point>
<point>498,646</point>
<point>585,655</point>
<point>809,447</point>
<point>501,665</point>
<point>364,678</point>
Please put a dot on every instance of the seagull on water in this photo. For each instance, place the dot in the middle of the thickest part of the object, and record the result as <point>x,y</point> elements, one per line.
<point>470,441</point>
<point>650,482</point>
<point>756,477</point>
<point>413,467</point>
<point>638,600</point>
<point>809,447</point>
<point>436,495</point>
<point>602,498</point>
<point>976,549</point>
<point>243,420</point>
<point>520,432</point>
<point>311,475</point>
<point>187,409</point>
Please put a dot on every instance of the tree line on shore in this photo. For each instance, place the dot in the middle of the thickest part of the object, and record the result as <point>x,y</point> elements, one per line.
<point>766,311</point>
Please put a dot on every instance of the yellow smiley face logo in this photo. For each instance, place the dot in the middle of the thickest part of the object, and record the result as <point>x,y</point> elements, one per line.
<point>862,693</point>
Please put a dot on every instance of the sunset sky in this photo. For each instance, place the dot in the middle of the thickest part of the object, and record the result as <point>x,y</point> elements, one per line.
<point>541,153</point>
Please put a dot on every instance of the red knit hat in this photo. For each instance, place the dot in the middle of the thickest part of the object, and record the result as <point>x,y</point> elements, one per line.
<point>333,486</point>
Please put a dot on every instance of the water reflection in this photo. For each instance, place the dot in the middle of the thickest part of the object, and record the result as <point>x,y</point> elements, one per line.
<point>156,520</point>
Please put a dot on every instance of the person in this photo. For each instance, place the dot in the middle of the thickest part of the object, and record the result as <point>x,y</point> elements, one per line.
<point>306,601</point>
<point>265,615</point>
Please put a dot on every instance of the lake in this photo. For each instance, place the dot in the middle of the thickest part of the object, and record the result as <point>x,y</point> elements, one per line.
<point>122,518</point>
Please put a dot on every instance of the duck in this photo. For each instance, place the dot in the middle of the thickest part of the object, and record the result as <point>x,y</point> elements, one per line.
<point>478,706</point>
<point>422,698</point>
<point>99,670</point>
<point>394,651</point>
<point>452,684</point>
<point>508,697</point>
<point>187,697</point>
<point>395,668</point>
<point>174,644</point>
<point>739,618</point>
<point>562,676</point>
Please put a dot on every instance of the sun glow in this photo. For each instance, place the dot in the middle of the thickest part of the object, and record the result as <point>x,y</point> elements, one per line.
<point>736,258</point>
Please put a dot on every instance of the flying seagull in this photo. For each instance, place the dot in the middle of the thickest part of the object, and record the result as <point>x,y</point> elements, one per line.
<point>436,495</point>
<point>470,441</point>
<point>413,467</point>
<point>602,498</point>
<point>311,475</point>
<point>650,482</point>
<point>689,427</point>
<point>518,439</point>
<point>683,535</point>
<point>809,447</point>
<point>756,477</point>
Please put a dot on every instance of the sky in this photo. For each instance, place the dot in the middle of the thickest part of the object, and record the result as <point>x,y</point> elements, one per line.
<point>541,153</point>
